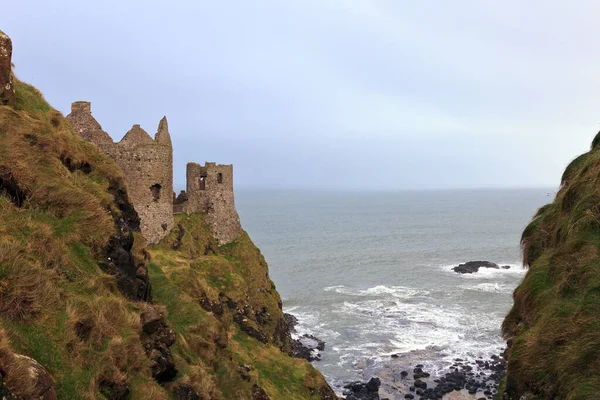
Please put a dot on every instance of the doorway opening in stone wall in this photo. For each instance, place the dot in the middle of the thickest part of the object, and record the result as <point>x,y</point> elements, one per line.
<point>203,182</point>
<point>155,189</point>
<point>219,178</point>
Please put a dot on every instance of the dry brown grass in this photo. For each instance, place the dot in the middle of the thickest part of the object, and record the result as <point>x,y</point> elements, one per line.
<point>554,325</point>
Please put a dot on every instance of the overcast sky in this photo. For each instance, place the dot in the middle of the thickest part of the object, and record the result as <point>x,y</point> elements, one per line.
<point>354,94</point>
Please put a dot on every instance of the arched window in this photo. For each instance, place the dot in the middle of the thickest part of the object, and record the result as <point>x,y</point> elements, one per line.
<point>155,189</point>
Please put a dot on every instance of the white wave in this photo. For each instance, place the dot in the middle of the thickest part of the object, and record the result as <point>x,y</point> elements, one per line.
<point>401,292</point>
<point>490,287</point>
<point>516,270</point>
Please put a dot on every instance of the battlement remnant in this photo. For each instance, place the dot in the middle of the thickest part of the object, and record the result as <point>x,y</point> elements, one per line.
<point>7,89</point>
<point>210,190</point>
<point>147,164</point>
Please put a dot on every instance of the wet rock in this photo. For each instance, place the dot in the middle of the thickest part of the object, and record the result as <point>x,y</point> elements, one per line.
<point>373,385</point>
<point>363,391</point>
<point>305,346</point>
<point>473,266</point>
<point>291,322</point>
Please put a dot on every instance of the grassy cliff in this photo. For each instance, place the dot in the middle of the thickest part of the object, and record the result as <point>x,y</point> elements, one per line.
<point>88,311</point>
<point>554,326</point>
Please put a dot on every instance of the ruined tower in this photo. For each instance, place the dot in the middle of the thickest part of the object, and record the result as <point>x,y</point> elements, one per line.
<point>146,163</point>
<point>148,167</point>
<point>210,190</point>
<point>7,89</point>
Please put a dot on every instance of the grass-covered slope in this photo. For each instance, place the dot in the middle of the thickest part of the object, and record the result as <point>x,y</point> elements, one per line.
<point>82,296</point>
<point>227,315</point>
<point>554,325</point>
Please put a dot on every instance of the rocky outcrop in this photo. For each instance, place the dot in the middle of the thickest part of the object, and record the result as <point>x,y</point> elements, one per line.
<point>22,377</point>
<point>121,259</point>
<point>157,337</point>
<point>363,391</point>
<point>7,90</point>
<point>473,266</point>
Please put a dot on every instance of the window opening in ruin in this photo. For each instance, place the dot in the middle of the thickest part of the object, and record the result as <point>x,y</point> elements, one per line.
<point>203,182</point>
<point>219,178</point>
<point>155,189</point>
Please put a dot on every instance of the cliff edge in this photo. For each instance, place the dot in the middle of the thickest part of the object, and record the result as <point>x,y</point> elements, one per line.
<point>89,311</point>
<point>553,329</point>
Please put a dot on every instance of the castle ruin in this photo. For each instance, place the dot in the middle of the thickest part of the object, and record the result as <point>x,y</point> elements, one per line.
<point>148,168</point>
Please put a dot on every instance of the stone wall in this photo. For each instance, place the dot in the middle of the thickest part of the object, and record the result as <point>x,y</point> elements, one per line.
<point>7,90</point>
<point>146,163</point>
<point>210,190</point>
<point>148,167</point>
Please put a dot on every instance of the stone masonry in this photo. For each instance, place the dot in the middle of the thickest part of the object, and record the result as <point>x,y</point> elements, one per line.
<point>146,163</point>
<point>148,167</point>
<point>210,190</point>
<point>7,90</point>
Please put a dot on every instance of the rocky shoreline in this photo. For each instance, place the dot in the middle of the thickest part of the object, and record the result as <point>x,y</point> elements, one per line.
<point>464,379</point>
<point>304,346</point>
<point>476,379</point>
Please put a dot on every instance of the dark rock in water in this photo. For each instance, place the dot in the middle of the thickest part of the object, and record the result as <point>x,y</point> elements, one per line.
<point>473,266</point>
<point>373,385</point>
<point>291,322</point>
<point>505,267</point>
<point>304,347</point>
<point>395,356</point>
<point>363,391</point>
<point>320,345</point>
<point>404,374</point>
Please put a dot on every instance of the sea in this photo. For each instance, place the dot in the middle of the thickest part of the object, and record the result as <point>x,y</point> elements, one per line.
<point>370,273</point>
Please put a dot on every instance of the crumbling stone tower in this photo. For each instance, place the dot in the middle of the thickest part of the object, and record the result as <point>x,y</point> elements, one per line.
<point>7,90</point>
<point>210,190</point>
<point>147,164</point>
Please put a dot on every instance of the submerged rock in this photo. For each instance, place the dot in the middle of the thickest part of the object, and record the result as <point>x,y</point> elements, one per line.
<point>473,266</point>
<point>363,391</point>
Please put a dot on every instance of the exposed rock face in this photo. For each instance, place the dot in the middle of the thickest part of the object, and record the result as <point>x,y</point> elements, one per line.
<point>157,337</point>
<point>33,382</point>
<point>121,259</point>
<point>7,90</point>
<point>473,266</point>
